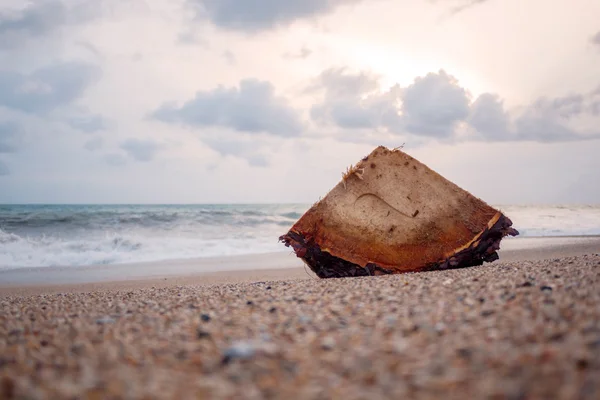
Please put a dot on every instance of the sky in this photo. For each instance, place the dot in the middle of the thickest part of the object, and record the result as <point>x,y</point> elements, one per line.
<point>223,101</point>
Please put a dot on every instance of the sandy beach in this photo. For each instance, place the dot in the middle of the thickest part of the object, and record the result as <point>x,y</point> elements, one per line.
<point>527,326</point>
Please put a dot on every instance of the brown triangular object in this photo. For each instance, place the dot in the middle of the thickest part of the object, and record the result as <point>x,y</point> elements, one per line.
<point>392,214</point>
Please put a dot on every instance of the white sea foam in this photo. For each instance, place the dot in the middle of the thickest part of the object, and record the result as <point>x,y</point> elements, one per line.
<point>87,235</point>
<point>534,221</point>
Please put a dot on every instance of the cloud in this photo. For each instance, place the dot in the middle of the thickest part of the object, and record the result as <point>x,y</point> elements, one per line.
<point>340,82</point>
<point>259,15</point>
<point>544,120</point>
<point>354,101</point>
<point>9,136</point>
<point>547,120</point>
<point>596,39</point>
<point>141,150</point>
<point>41,18</point>
<point>488,116</point>
<point>253,107</point>
<point>433,105</point>
<point>243,147</point>
<point>94,144</point>
<point>436,106</point>
<point>88,123</point>
<point>116,160</point>
<point>4,170</point>
<point>46,88</point>
<point>304,53</point>
<point>462,5</point>
<point>229,57</point>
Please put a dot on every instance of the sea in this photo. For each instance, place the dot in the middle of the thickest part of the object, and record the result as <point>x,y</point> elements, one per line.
<point>79,235</point>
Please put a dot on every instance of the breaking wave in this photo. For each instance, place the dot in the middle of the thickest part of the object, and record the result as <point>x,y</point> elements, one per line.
<point>67,235</point>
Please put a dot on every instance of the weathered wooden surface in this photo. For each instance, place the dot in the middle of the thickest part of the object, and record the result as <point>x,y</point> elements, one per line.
<point>392,214</point>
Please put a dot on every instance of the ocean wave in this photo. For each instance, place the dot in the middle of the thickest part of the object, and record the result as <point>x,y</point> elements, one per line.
<point>115,248</point>
<point>84,235</point>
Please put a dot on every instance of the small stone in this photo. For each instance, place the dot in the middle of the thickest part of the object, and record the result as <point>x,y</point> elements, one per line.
<point>400,344</point>
<point>328,343</point>
<point>448,282</point>
<point>390,320</point>
<point>272,309</point>
<point>487,313</point>
<point>105,320</point>
<point>7,387</point>
<point>465,352</point>
<point>546,288</point>
<point>202,334</point>
<point>249,302</point>
<point>205,317</point>
<point>239,351</point>
<point>268,287</point>
<point>526,284</point>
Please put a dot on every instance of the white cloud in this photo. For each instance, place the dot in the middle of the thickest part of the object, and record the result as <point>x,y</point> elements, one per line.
<point>253,107</point>
<point>259,15</point>
<point>142,150</point>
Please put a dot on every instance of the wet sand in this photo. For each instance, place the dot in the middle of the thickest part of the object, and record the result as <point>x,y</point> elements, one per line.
<point>516,328</point>
<point>234,269</point>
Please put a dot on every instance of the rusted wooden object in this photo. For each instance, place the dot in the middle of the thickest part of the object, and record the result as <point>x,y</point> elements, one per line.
<point>392,214</point>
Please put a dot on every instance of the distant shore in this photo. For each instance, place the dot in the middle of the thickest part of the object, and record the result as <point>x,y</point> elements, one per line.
<point>233,269</point>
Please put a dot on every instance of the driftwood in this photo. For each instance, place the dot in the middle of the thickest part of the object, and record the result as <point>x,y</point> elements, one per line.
<point>392,214</point>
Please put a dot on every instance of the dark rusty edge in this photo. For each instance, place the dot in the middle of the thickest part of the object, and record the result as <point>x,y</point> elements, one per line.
<point>325,265</point>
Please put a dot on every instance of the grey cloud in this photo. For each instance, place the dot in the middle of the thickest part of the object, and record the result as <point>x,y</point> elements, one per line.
<point>372,111</point>
<point>141,150</point>
<point>596,39</point>
<point>353,101</point>
<point>90,48</point>
<point>229,57</point>
<point>433,105</point>
<point>304,53</point>
<point>253,107</point>
<point>238,147</point>
<point>462,5</point>
<point>115,160</point>
<point>488,116</point>
<point>595,108</point>
<point>88,123</point>
<point>259,15</point>
<point>4,170</point>
<point>345,114</point>
<point>94,144</point>
<point>9,137</point>
<point>41,18</point>
<point>339,82</point>
<point>545,120</point>
<point>566,106</point>
<point>467,4</point>
<point>46,88</point>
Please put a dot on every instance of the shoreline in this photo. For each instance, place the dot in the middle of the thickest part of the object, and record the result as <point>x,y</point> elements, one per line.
<point>238,269</point>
